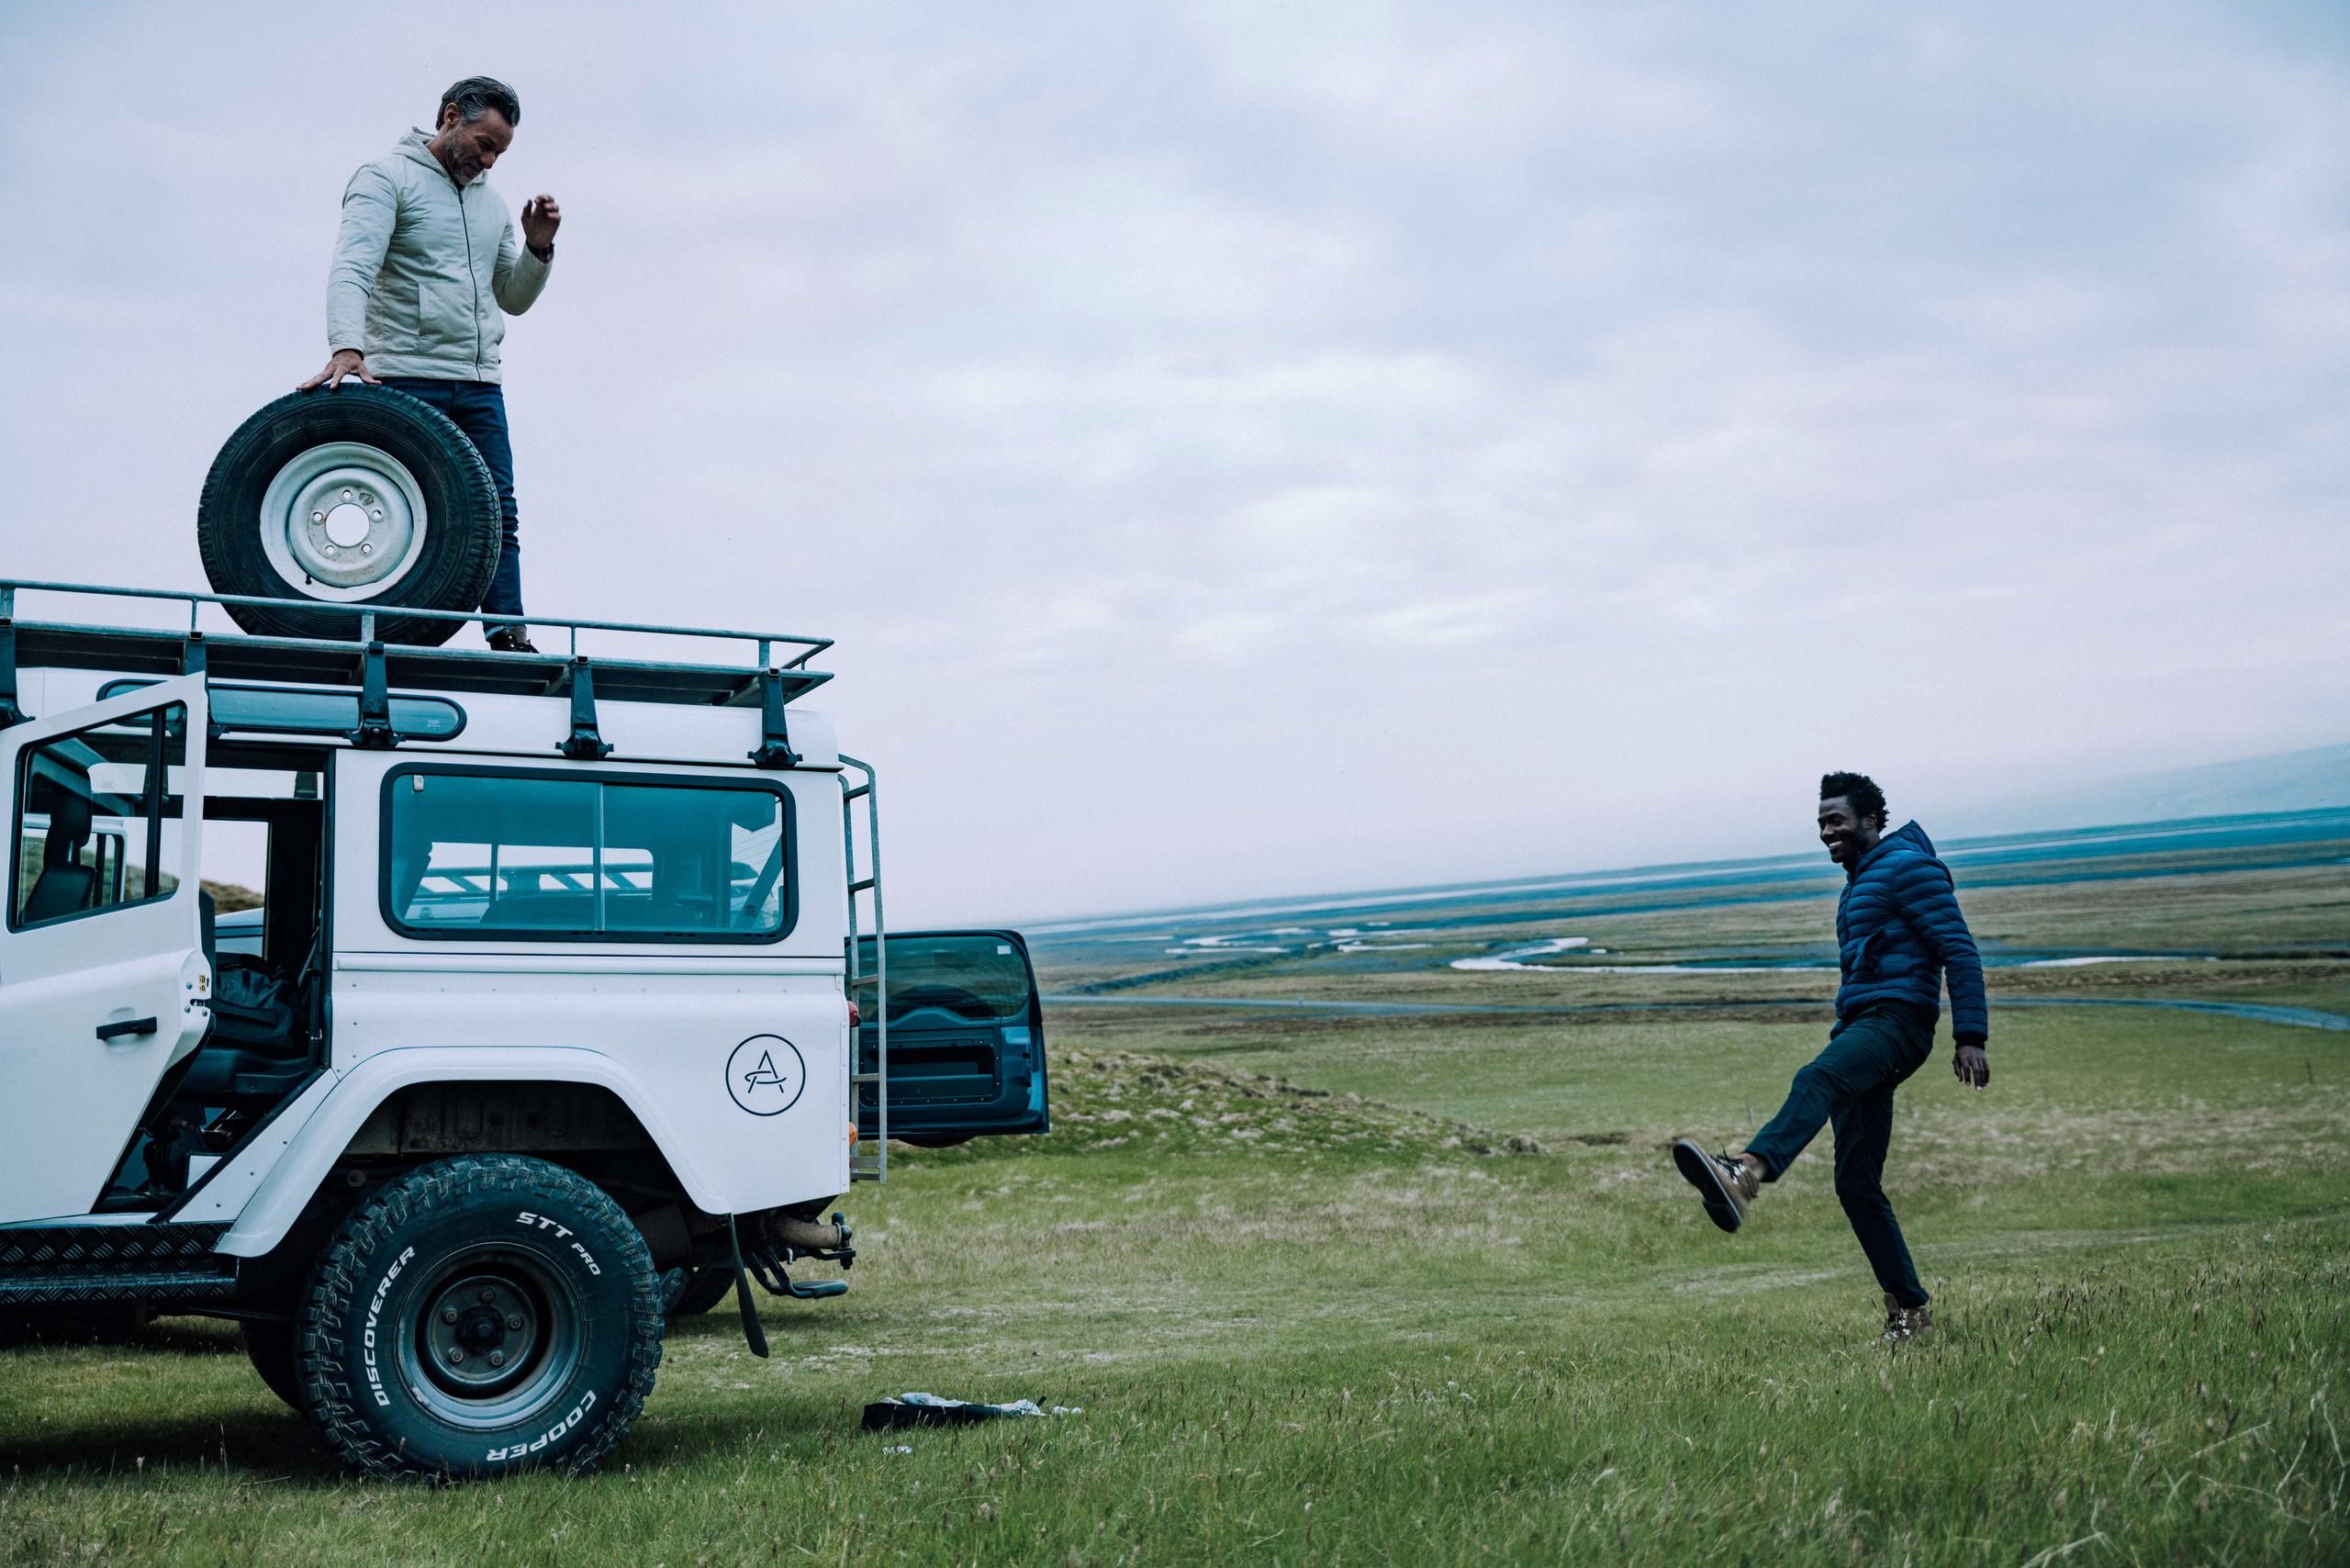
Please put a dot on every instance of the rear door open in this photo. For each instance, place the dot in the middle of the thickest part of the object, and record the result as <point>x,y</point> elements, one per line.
<point>104,983</point>
<point>967,1038</point>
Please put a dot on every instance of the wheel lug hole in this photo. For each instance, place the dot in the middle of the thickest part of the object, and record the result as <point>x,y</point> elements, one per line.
<point>497,1358</point>
<point>318,517</point>
<point>513,1320</point>
<point>346,495</point>
<point>448,1315</point>
<point>488,1296</point>
<point>456,1352</point>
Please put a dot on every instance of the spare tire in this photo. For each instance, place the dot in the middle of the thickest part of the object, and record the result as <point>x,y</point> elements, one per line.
<point>358,496</point>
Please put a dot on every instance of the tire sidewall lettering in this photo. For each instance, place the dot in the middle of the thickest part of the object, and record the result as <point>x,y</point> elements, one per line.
<point>374,1320</point>
<point>519,1450</point>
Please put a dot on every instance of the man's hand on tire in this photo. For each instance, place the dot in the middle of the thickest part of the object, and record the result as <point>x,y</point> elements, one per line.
<point>1972,1066</point>
<point>341,362</point>
<point>541,219</point>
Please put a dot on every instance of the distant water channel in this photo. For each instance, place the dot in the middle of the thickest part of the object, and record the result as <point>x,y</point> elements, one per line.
<point>1419,928</point>
<point>2260,1013</point>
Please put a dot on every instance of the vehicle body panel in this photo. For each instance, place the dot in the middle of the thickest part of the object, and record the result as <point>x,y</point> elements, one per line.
<point>679,1026</point>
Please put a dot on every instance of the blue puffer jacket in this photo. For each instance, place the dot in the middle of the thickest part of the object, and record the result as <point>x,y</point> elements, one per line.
<point>1898,928</point>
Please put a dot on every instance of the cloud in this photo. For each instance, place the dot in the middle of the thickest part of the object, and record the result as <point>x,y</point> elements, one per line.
<point>1246,449</point>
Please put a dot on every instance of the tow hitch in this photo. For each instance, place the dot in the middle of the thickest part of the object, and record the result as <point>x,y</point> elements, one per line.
<point>782,1240</point>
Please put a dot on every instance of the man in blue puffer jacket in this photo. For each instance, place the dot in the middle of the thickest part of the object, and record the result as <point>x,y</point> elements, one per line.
<point>1898,929</point>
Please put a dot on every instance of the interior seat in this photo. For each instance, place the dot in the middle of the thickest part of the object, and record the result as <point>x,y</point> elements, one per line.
<point>256,1048</point>
<point>65,884</point>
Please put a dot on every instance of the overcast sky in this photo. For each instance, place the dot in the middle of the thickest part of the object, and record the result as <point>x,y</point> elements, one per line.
<point>1255,449</point>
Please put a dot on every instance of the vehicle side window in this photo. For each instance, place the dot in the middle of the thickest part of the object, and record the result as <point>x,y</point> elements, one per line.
<point>96,813</point>
<point>550,857</point>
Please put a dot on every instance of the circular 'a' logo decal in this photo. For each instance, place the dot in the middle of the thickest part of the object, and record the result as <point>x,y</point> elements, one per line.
<point>766,1074</point>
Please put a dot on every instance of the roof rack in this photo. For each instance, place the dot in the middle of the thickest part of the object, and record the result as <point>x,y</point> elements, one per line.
<point>776,671</point>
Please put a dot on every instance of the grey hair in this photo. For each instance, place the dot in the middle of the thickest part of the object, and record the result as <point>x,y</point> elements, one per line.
<point>475,94</point>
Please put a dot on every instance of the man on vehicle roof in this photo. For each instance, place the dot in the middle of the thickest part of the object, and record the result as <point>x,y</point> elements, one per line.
<point>1898,929</point>
<point>426,260</point>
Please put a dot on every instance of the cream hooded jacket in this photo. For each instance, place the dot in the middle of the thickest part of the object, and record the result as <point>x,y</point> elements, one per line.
<point>422,269</point>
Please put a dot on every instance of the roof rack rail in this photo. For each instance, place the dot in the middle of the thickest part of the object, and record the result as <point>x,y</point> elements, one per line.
<point>324,661</point>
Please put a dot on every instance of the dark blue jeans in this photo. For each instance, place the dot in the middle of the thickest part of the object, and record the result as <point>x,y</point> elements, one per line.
<point>478,409</point>
<point>1852,1084</point>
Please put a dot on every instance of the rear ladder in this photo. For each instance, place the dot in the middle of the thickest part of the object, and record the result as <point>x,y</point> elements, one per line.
<point>873,1166</point>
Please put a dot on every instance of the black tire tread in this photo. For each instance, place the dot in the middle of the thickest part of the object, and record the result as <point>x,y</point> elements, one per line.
<point>335,1291</point>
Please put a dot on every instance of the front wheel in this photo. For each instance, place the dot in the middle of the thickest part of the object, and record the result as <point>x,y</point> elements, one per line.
<point>478,1316</point>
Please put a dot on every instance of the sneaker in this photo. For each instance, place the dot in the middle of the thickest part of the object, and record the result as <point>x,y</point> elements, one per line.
<point>1727,1183</point>
<point>511,640</point>
<point>1904,1322</point>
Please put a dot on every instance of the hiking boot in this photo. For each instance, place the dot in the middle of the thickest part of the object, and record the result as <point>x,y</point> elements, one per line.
<point>511,640</point>
<point>1904,1322</point>
<point>1727,1183</point>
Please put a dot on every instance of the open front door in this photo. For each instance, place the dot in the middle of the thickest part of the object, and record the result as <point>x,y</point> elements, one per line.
<point>103,983</point>
<point>967,1038</point>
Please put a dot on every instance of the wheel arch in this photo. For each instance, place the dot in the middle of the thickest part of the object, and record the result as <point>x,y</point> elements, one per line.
<point>329,1135</point>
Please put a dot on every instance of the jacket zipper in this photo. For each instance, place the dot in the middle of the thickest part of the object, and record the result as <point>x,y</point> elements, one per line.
<point>472,275</point>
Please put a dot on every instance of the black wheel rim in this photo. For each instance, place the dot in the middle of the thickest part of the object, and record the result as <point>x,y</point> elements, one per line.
<point>494,1335</point>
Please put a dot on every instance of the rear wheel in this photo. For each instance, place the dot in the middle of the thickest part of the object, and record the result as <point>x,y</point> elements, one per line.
<point>362,496</point>
<point>478,1316</point>
<point>689,1293</point>
<point>270,1348</point>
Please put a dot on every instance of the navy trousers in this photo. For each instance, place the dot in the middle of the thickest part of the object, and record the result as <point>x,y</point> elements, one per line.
<point>478,409</point>
<point>1851,1084</point>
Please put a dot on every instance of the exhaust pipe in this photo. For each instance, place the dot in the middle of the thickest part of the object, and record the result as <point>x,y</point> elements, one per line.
<point>807,1234</point>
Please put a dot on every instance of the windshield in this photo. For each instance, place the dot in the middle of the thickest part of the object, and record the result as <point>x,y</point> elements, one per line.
<point>980,977</point>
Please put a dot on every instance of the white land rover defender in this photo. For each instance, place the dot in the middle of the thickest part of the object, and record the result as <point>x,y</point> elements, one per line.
<point>555,1014</point>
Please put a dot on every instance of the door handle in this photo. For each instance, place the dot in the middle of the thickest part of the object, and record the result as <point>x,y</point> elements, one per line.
<point>125,1026</point>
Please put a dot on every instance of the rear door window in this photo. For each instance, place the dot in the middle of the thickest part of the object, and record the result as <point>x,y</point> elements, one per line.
<point>99,818</point>
<point>967,1038</point>
<point>556,856</point>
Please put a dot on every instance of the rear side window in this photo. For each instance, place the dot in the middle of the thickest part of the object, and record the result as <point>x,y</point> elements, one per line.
<point>555,856</point>
<point>96,818</point>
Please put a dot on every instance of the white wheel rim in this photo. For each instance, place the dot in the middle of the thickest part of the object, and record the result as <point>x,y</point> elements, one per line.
<point>343,522</point>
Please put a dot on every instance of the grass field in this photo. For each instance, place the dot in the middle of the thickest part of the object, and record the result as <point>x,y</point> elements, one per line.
<point>1424,1289</point>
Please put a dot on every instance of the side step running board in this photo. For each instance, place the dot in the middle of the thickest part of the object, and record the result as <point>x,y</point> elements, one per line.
<point>70,1265</point>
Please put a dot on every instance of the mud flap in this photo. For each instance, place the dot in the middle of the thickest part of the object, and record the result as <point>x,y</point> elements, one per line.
<point>755,1336</point>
